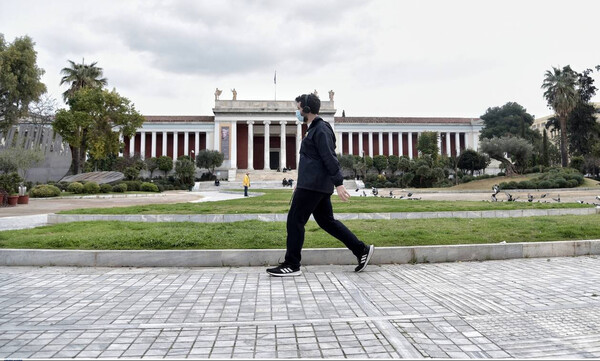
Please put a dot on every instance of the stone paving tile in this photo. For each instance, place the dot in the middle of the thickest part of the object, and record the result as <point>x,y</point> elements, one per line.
<point>498,309</point>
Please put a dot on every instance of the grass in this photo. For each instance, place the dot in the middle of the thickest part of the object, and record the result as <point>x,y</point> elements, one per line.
<point>277,201</point>
<point>271,235</point>
<point>487,184</point>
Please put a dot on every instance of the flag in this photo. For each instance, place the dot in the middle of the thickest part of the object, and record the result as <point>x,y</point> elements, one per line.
<point>275,78</point>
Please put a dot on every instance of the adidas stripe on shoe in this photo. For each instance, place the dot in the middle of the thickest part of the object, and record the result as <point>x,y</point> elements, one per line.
<point>364,259</point>
<point>284,270</point>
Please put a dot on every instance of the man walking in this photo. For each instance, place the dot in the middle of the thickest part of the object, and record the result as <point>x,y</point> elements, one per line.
<point>246,184</point>
<point>318,173</point>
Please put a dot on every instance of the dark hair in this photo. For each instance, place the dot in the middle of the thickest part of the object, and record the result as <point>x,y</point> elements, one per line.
<point>310,103</point>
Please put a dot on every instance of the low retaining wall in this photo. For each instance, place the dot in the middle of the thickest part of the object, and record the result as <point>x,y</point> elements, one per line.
<point>281,217</point>
<point>320,256</point>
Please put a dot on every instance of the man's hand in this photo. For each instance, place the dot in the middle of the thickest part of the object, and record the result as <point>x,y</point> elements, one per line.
<point>342,193</point>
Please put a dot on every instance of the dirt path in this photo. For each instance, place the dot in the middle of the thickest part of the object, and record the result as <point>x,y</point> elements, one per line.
<point>53,205</point>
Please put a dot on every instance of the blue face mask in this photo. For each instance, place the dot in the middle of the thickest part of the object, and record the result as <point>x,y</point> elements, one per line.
<point>299,116</point>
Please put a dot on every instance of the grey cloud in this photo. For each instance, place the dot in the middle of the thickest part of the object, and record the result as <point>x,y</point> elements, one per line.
<point>194,38</point>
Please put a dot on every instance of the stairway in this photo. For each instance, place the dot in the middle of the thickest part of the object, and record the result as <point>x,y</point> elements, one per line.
<point>266,175</point>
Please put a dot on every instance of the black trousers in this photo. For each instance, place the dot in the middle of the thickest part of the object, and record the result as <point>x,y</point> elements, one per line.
<point>305,203</point>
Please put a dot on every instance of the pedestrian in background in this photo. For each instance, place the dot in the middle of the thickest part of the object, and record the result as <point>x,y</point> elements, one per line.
<point>246,184</point>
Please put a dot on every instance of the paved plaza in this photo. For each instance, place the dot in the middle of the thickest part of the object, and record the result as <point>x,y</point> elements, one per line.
<point>517,308</point>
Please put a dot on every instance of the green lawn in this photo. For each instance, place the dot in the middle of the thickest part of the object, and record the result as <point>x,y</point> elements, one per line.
<point>277,201</point>
<point>261,235</point>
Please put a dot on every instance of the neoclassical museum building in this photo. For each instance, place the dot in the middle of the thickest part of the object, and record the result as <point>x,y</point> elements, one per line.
<point>257,134</point>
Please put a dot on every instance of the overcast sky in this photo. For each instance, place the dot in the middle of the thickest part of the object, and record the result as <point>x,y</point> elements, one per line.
<point>381,58</point>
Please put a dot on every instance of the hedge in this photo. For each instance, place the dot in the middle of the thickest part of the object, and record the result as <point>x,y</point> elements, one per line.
<point>75,187</point>
<point>44,190</point>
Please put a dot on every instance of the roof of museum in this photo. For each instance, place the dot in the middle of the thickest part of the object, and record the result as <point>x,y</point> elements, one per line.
<point>408,120</point>
<point>179,118</point>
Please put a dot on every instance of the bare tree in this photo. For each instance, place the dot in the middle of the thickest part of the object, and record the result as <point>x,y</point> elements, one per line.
<point>42,111</point>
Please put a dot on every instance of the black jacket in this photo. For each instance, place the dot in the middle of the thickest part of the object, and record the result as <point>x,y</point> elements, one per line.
<point>319,169</point>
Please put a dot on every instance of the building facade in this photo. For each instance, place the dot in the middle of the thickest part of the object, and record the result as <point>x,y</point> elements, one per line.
<point>256,135</point>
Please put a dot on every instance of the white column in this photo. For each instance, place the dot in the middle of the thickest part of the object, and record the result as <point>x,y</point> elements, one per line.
<point>350,143</point>
<point>143,145</point>
<point>457,141</point>
<point>475,141</point>
<point>164,143</point>
<point>400,145</point>
<point>439,142</point>
<point>282,154</point>
<point>250,145</point>
<point>197,143</point>
<point>132,145</point>
<point>410,145</point>
<point>339,144</point>
<point>448,144</point>
<point>233,143</point>
<point>267,146</point>
<point>390,144</point>
<point>153,150</point>
<point>360,144</point>
<point>175,145</point>
<point>371,144</point>
<point>298,142</point>
<point>210,138</point>
<point>186,143</point>
<point>217,138</point>
<point>380,136</point>
<point>467,135</point>
<point>121,141</point>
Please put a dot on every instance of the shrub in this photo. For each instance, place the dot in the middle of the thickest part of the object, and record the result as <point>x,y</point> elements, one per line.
<point>91,188</point>
<point>561,182</point>
<point>120,188</point>
<point>571,183</point>
<point>133,186</point>
<point>106,188</point>
<point>526,185</point>
<point>75,187</point>
<point>44,190</point>
<point>131,173</point>
<point>501,174</point>
<point>148,187</point>
<point>545,184</point>
<point>467,178</point>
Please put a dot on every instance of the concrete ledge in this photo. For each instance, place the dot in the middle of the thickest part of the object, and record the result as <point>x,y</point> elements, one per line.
<point>310,256</point>
<point>282,217</point>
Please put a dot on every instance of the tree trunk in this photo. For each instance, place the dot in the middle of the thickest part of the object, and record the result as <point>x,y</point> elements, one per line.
<point>75,158</point>
<point>563,142</point>
<point>81,159</point>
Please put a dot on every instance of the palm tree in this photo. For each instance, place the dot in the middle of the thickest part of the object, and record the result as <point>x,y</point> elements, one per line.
<point>81,76</point>
<point>561,94</point>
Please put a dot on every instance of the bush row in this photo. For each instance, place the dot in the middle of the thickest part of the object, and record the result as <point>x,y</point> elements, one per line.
<point>554,178</point>
<point>53,190</point>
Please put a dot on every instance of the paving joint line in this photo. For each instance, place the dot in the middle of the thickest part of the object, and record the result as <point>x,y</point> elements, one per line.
<point>404,347</point>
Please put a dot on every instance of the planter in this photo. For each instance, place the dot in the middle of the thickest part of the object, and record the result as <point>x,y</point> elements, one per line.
<point>12,200</point>
<point>23,199</point>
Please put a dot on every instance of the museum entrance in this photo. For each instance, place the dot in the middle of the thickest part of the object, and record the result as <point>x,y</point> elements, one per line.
<point>274,159</point>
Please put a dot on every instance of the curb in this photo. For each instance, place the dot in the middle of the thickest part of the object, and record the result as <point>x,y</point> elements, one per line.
<point>314,256</point>
<point>282,217</point>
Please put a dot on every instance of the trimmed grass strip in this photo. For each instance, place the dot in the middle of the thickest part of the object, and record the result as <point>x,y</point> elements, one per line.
<point>112,235</point>
<point>277,201</point>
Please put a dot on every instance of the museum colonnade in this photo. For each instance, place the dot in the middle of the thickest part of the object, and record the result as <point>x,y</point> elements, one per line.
<point>246,146</point>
